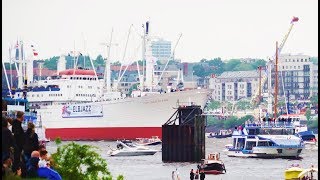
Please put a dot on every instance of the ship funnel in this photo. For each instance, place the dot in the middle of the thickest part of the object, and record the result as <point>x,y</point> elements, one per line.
<point>147,27</point>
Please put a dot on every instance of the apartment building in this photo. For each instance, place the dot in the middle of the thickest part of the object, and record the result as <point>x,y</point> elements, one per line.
<point>234,85</point>
<point>298,75</point>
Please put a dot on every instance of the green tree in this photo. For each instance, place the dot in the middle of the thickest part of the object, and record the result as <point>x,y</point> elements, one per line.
<point>214,121</point>
<point>243,105</point>
<point>133,87</point>
<point>199,70</point>
<point>99,61</point>
<point>81,162</point>
<point>117,63</point>
<point>51,63</point>
<point>214,105</point>
<point>84,62</point>
<point>7,66</point>
<point>230,122</point>
<point>308,116</point>
<point>314,60</point>
<point>216,65</point>
<point>243,67</point>
<point>314,99</point>
<point>140,62</point>
<point>259,62</point>
<point>231,64</point>
<point>314,124</point>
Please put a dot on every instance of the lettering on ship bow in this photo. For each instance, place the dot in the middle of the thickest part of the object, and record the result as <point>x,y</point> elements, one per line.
<point>87,110</point>
<point>155,101</point>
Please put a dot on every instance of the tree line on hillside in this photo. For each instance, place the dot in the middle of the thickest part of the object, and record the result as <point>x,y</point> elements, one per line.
<point>203,68</point>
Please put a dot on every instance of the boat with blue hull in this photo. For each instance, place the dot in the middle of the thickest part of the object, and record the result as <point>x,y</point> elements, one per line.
<point>308,137</point>
<point>265,141</point>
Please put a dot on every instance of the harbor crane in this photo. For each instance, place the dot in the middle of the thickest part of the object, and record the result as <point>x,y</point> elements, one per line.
<point>264,76</point>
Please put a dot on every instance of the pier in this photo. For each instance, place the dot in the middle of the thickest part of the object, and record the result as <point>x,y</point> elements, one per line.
<point>184,141</point>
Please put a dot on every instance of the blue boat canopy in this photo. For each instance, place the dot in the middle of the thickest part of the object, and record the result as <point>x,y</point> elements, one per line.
<point>305,133</point>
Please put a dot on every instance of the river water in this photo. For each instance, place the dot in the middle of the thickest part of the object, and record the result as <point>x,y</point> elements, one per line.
<point>152,167</point>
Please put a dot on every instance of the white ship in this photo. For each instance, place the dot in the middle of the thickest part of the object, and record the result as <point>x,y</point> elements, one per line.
<point>76,105</point>
<point>265,141</point>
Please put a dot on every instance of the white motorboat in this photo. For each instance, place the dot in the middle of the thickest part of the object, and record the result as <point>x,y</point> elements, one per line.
<point>130,149</point>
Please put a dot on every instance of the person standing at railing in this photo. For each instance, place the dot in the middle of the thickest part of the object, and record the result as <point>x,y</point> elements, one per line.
<point>19,136</point>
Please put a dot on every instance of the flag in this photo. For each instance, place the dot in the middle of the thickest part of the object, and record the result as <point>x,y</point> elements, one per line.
<point>35,53</point>
<point>294,19</point>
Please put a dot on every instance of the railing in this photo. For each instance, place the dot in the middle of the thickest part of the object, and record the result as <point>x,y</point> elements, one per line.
<point>271,124</point>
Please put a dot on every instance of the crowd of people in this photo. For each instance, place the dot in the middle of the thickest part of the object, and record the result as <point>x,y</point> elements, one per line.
<point>23,156</point>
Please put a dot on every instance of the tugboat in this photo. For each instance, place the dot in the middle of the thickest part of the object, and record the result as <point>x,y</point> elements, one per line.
<point>213,165</point>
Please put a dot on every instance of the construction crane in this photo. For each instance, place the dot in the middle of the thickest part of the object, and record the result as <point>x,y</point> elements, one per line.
<point>264,76</point>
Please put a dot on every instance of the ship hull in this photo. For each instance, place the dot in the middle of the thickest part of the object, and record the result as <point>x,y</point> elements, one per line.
<point>102,133</point>
<point>130,118</point>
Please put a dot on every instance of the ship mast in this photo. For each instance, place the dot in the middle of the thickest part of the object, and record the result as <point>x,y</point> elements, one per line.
<point>149,60</point>
<point>107,70</point>
<point>276,83</point>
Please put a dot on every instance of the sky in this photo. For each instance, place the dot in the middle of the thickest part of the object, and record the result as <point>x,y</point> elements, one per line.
<point>209,28</point>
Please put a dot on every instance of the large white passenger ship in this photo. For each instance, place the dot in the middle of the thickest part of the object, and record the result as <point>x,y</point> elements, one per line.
<point>76,105</point>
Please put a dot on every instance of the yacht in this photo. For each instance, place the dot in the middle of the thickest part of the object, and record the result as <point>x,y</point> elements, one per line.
<point>130,149</point>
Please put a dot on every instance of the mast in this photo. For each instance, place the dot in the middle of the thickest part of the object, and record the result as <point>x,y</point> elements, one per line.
<point>276,83</point>
<point>10,68</point>
<point>149,60</point>
<point>260,87</point>
<point>20,65</point>
<point>107,70</point>
<point>141,78</point>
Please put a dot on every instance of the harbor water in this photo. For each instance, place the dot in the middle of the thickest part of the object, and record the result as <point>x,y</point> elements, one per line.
<point>152,167</point>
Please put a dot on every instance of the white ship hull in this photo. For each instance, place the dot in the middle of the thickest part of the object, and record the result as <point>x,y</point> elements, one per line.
<point>128,118</point>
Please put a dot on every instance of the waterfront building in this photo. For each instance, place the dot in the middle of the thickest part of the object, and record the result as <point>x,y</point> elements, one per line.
<point>234,85</point>
<point>298,75</point>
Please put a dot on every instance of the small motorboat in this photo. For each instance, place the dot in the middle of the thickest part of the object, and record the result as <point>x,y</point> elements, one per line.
<point>154,140</point>
<point>130,149</point>
<point>213,165</point>
<point>308,137</point>
<point>222,134</point>
<point>295,172</point>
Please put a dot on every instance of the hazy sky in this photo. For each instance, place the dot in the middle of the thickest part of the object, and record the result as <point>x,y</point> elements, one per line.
<point>210,28</point>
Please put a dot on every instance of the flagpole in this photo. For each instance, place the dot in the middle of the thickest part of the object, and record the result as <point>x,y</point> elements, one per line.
<point>11,85</point>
